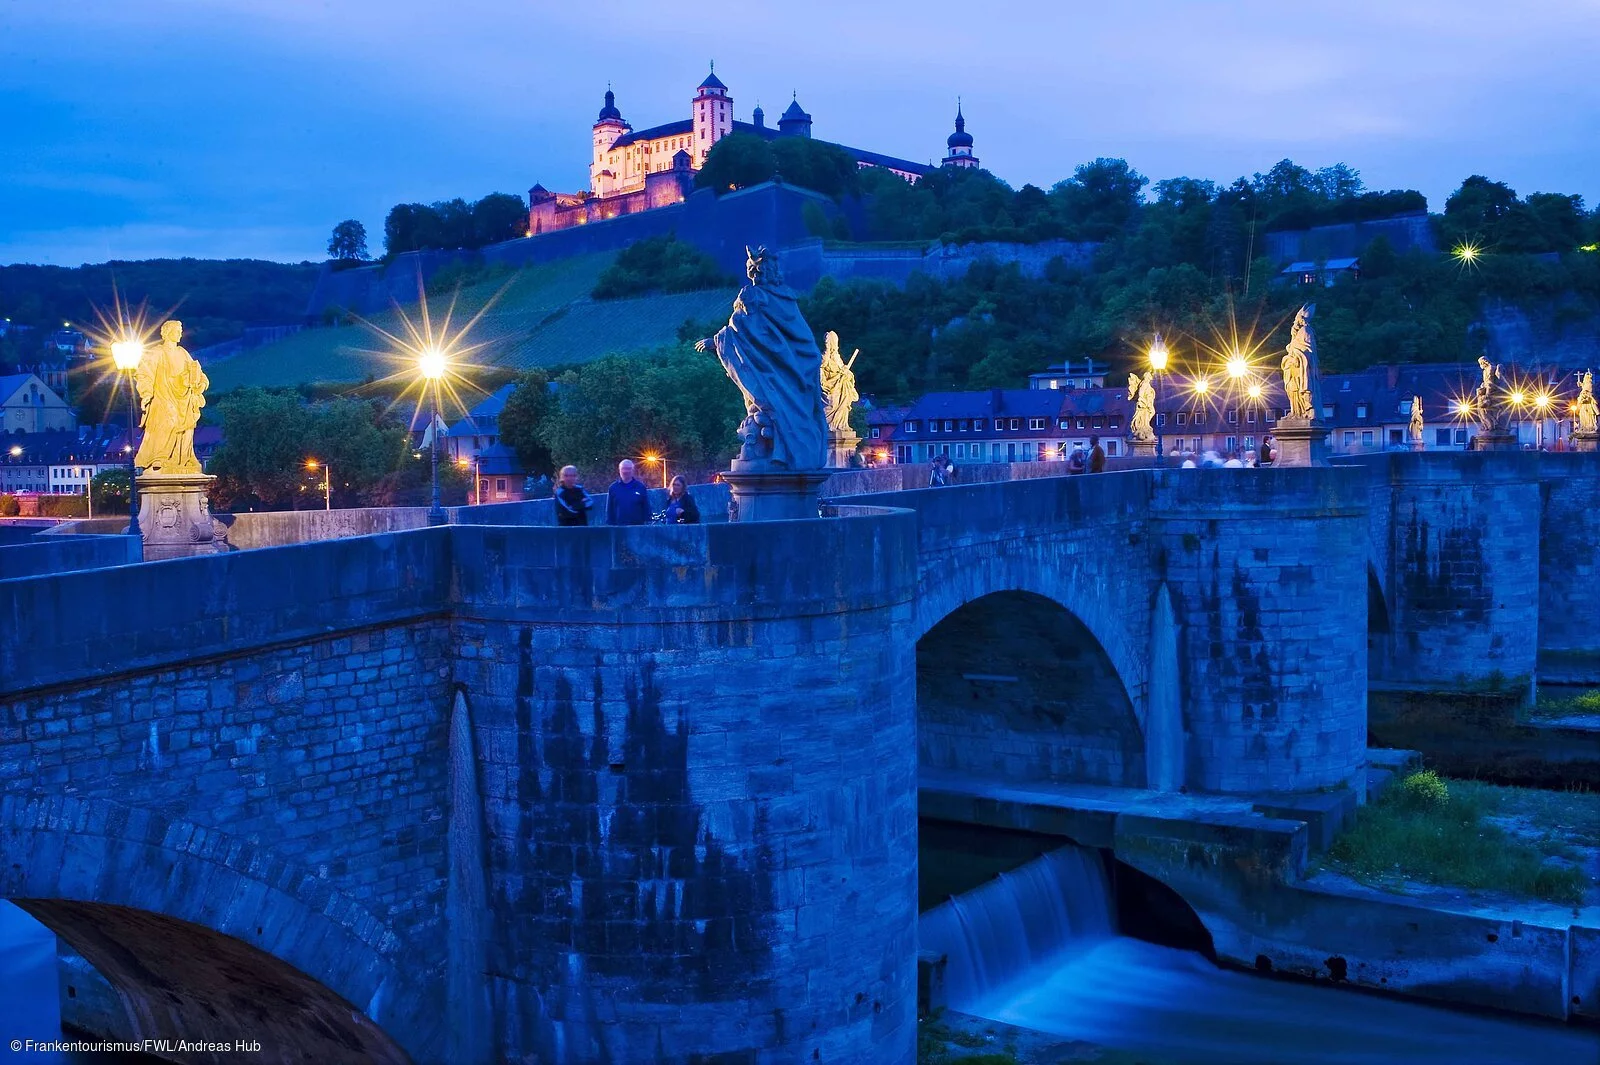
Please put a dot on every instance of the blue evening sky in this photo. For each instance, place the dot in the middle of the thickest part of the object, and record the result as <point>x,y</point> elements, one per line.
<point>138,128</point>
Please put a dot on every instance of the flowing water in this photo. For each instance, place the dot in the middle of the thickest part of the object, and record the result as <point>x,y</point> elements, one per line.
<point>1037,948</point>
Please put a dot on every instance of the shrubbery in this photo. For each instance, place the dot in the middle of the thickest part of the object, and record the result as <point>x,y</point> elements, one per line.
<point>660,264</point>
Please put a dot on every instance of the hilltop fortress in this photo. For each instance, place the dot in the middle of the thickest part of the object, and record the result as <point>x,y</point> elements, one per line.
<point>632,171</point>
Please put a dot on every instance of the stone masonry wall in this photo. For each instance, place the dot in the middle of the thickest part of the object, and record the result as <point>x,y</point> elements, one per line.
<point>1464,571</point>
<point>1267,570</point>
<point>698,764</point>
<point>1569,567</point>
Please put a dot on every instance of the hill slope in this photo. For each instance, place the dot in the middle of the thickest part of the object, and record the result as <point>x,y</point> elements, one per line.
<point>543,316</point>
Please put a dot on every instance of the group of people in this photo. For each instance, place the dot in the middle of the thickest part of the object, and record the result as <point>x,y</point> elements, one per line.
<point>1232,460</point>
<point>627,500</point>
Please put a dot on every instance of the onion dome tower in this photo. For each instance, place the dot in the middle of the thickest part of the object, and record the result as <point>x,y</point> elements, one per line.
<point>959,144</point>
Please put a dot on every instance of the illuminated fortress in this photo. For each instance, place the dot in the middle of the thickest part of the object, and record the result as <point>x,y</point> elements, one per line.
<point>637,170</point>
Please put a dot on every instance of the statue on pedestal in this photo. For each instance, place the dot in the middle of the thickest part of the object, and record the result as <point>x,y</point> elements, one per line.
<point>172,389</point>
<point>1483,398</point>
<point>769,351</point>
<point>1416,420</point>
<point>1299,366</point>
<point>1585,412</point>
<point>838,386</point>
<point>1143,394</point>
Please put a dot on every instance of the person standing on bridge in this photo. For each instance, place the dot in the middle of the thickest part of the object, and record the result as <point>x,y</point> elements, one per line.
<point>572,502</point>
<point>628,501</point>
<point>1097,456</point>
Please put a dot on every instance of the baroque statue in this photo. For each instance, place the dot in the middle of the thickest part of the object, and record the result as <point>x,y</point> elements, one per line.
<point>1489,420</point>
<point>770,353</point>
<point>172,390</point>
<point>1299,367</point>
<point>1416,419</point>
<point>1143,395</point>
<point>1585,412</point>
<point>838,386</point>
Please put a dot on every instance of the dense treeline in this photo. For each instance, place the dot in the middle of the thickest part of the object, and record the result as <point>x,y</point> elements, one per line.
<point>455,223</point>
<point>216,299</point>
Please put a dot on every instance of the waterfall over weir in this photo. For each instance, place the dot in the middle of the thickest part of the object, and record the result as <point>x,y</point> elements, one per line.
<point>1037,948</point>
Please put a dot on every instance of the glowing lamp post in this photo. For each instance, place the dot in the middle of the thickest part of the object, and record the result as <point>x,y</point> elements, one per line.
<point>327,482</point>
<point>1237,366</point>
<point>1541,403</point>
<point>432,363</point>
<point>1158,364</point>
<point>125,354</point>
<point>651,460</point>
<point>477,479</point>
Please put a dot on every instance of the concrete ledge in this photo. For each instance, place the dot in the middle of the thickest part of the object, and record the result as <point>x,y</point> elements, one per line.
<point>1325,813</point>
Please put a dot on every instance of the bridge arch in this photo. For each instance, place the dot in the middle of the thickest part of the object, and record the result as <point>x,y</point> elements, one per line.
<point>1013,685</point>
<point>178,918</point>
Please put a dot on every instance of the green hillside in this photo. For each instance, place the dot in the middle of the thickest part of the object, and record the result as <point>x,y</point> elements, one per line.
<point>543,317</point>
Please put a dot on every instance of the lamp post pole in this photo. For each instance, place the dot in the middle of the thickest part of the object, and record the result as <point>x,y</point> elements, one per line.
<point>125,354</point>
<point>435,511</point>
<point>1158,365</point>
<point>327,486</point>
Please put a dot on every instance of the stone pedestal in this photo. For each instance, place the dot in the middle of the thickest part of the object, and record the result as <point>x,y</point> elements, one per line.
<point>1418,446</point>
<point>774,495</point>
<point>1496,440</point>
<point>1143,449</point>
<point>1300,443</point>
<point>842,451</point>
<point>1580,441</point>
<point>175,516</point>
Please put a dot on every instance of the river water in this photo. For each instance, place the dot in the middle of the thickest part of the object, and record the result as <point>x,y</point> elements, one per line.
<point>1037,948</point>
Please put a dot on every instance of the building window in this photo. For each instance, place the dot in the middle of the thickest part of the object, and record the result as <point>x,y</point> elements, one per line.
<point>1249,443</point>
<point>1250,416</point>
<point>966,424</point>
<point>1233,416</point>
<point>1111,449</point>
<point>1016,423</point>
<point>1461,436</point>
<point>1097,423</point>
<point>1061,424</point>
<point>1349,438</point>
<point>1027,452</point>
<point>1327,411</point>
<point>1083,423</point>
<point>1183,419</point>
<point>1233,442</point>
<point>875,432</point>
<point>949,426</point>
<point>933,425</point>
<point>499,484</point>
<point>1366,438</point>
<point>1441,437</point>
<point>1161,419</point>
<point>911,427</point>
<point>1035,424</point>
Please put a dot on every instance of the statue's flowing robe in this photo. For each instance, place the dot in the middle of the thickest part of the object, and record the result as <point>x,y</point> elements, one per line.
<point>171,392</point>
<point>768,350</point>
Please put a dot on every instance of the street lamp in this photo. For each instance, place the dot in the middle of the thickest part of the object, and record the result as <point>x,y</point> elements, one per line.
<point>125,354</point>
<point>1541,403</point>
<point>477,480</point>
<point>327,482</point>
<point>651,460</point>
<point>431,363</point>
<point>1158,365</point>
<point>1237,365</point>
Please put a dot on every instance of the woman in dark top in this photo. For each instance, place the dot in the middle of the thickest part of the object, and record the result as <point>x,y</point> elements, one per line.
<point>681,508</point>
<point>572,502</point>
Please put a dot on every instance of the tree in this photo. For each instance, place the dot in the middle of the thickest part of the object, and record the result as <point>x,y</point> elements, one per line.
<point>349,241</point>
<point>659,264</point>
<point>816,165</point>
<point>1100,198</point>
<point>408,227</point>
<point>110,491</point>
<point>736,161</point>
<point>522,421</point>
<point>497,217</point>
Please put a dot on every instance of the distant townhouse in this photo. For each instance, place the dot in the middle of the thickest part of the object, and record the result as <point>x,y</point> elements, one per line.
<point>1070,374</point>
<point>1009,425</point>
<point>479,429</point>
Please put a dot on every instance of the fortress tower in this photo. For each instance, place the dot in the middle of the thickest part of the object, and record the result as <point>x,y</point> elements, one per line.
<point>603,180</point>
<point>713,115</point>
<point>960,145</point>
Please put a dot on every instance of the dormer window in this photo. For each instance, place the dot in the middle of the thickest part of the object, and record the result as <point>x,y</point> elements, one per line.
<point>1361,410</point>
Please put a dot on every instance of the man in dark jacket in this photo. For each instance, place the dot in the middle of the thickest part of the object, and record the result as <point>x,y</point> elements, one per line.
<point>1097,456</point>
<point>572,502</point>
<point>628,501</point>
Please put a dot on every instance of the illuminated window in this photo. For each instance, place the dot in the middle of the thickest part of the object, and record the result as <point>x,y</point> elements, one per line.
<point>1361,410</point>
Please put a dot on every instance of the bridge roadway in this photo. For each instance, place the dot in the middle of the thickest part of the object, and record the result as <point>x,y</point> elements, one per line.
<point>501,790</point>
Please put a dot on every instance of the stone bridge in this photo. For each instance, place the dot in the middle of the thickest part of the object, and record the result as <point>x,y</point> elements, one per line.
<point>501,791</point>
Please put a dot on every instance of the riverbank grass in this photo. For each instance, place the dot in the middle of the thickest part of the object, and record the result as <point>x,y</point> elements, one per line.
<point>1462,833</point>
